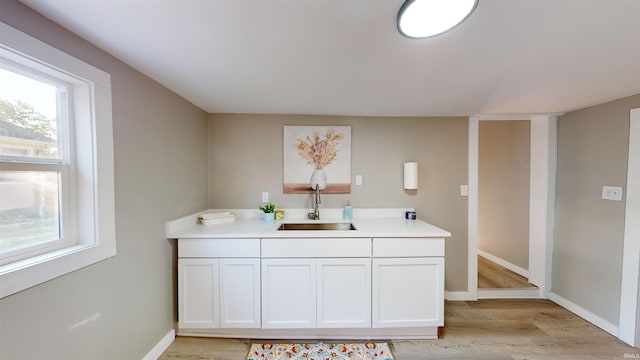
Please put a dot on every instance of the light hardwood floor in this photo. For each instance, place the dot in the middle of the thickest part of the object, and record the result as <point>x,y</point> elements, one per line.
<point>485,330</point>
<point>494,276</point>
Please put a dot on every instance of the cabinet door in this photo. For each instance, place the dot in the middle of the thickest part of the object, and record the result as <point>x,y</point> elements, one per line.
<point>239,293</point>
<point>198,293</point>
<point>288,293</point>
<point>344,293</point>
<point>408,292</point>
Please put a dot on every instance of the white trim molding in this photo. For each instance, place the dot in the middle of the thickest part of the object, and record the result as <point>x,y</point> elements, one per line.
<point>460,296</point>
<point>585,314</point>
<point>161,346</point>
<point>630,292</point>
<point>541,201</point>
<point>93,183</point>
<point>472,213</point>
<point>504,263</point>
<point>525,293</point>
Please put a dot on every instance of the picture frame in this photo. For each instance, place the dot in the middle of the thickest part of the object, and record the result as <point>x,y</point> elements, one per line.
<point>313,152</point>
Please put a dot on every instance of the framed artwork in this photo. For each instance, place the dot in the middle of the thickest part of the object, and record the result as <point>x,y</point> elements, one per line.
<point>317,156</point>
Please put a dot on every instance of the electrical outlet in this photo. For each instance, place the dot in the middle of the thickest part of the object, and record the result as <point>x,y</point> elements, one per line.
<point>358,180</point>
<point>612,193</point>
<point>265,196</point>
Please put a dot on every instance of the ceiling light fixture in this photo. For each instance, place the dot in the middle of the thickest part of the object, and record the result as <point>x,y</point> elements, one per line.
<point>425,18</point>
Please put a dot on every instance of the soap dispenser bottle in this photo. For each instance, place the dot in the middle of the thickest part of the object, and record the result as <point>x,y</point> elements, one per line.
<point>348,211</point>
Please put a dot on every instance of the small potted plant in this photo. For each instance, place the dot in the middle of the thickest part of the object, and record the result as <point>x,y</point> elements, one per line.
<point>268,210</point>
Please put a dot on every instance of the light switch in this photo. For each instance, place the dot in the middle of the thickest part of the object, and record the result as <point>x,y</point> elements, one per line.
<point>464,190</point>
<point>358,180</point>
<point>612,193</point>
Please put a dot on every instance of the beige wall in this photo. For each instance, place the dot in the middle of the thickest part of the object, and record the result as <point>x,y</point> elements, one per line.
<point>120,307</point>
<point>587,254</point>
<point>246,159</point>
<point>503,189</point>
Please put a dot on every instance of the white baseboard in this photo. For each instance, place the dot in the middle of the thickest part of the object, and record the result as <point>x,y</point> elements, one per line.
<point>585,314</point>
<point>515,268</point>
<point>532,293</point>
<point>460,296</point>
<point>161,346</point>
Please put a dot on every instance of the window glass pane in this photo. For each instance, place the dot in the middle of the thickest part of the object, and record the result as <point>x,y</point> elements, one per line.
<point>29,211</point>
<point>28,117</point>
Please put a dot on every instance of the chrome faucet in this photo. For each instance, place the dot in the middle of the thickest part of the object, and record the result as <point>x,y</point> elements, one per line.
<point>315,215</point>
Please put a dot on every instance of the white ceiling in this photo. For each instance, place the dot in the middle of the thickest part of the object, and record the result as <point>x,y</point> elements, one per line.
<point>346,57</point>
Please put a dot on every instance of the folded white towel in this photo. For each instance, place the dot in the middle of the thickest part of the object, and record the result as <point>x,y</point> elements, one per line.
<point>216,215</point>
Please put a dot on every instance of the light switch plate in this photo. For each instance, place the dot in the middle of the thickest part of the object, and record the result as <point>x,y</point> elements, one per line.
<point>464,190</point>
<point>612,193</point>
<point>358,180</point>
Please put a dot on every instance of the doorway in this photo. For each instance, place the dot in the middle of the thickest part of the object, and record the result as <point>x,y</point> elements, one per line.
<point>543,138</point>
<point>504,163</point>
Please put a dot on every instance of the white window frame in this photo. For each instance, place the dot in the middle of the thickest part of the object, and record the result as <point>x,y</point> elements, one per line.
<point>64,164</point>
<point>91,178</point>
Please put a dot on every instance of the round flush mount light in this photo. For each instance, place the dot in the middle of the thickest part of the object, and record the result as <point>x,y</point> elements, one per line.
<point>425,18</point>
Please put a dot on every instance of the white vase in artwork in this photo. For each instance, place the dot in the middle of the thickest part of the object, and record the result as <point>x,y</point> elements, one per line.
<point>318,178</point>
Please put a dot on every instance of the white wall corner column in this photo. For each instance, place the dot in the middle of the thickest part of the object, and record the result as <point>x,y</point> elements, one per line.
<point>544,135</point>
<point>541,203</point>
<point>629,326</point>
<point>472,262</point>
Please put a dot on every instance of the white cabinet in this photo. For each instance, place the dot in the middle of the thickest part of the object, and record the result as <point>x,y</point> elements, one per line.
<point>288,293</point>
<point>239,293</point>
<point>220,291</point>
<point>344,293</point>
<point>316,293</point>
<point>408,282</point>
<point>323,287</point>
<point>408,292</point>
<point>198,293</point>
<point>316,283</point>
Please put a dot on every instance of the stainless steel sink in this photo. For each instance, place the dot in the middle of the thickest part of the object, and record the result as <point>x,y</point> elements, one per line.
<point>317,226</point>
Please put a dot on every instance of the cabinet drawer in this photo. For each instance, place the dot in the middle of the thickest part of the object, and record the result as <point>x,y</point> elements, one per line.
<point>408,247</point>
<point>316,248</point>
<point>201,248</point>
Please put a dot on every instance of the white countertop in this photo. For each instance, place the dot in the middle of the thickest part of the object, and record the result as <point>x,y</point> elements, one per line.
<point>368,223</point>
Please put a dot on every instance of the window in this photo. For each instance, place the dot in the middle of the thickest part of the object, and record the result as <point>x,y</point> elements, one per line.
<point>35,173</point>
<point>55,147</point>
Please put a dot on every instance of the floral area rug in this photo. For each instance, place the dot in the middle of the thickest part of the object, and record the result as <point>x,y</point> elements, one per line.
<point>320,351</point>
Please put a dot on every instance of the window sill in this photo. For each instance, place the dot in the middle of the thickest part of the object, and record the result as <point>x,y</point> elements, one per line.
<point>20,275</point>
